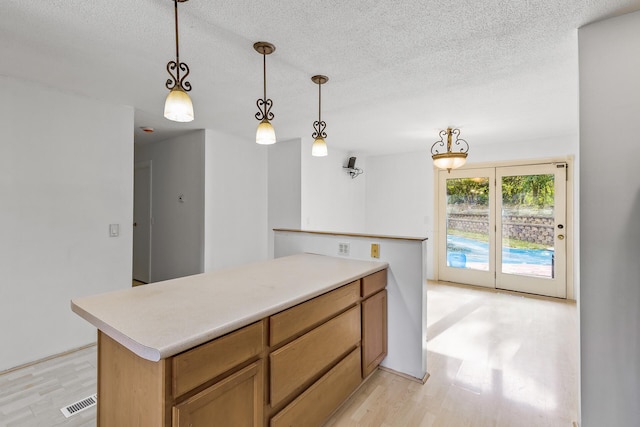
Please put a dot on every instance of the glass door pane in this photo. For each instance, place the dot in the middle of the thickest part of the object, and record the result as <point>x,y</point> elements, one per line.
<point>467,238</point>
<point>527,224</point>
<point>468,223</point>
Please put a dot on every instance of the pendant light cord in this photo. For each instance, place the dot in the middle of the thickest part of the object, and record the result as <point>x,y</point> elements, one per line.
<point>319,103</point>
<point>264,74</point>
<point>175,2</point>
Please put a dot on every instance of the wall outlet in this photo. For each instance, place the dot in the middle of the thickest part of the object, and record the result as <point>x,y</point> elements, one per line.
<point>344,248</point>
<point>375,250</point>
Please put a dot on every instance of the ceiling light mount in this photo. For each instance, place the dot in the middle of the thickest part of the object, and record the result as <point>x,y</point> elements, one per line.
<point>450,154</point>
<point>264,48</point>
<point>319,147</point>
<point>178,106</point>
<point>319,79</point>
<point>265,134</point>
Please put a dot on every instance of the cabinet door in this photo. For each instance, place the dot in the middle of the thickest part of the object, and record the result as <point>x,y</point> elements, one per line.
<point>374,332</point>
<point>235,401</point>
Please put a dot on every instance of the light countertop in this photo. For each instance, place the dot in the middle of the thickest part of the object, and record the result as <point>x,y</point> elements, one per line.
<point>162,319</point>
<point>338,233</point>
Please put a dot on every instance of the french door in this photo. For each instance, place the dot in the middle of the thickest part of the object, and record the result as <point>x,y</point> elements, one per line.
<point>504,228</point>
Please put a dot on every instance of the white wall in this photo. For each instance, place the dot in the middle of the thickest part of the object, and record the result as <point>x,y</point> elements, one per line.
<point>284,187</point>
<point>399,197</point>
<point>609,297</point>
<point>236,201</point>
<point>66,173</point>
<point>331,200</point>
<point>552,147</point>
<point>177,231</point>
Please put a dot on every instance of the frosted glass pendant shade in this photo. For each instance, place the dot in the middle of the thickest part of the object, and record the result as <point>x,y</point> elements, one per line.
<point>265,135</point>
<point>178,106</point>
<point>449,160</point>
<point>319,148</point>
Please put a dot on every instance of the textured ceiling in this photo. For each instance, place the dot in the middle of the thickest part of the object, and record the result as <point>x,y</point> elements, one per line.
<point>399,70</point>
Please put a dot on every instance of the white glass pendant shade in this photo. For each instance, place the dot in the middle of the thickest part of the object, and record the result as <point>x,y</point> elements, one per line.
<point>449,160</point>
<point>265,135</point>
<point>319,148</point>
<point>178,106</point>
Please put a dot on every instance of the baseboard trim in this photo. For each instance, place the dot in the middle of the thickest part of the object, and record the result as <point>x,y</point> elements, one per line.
<point>44,359</point>
<point>422,380</point>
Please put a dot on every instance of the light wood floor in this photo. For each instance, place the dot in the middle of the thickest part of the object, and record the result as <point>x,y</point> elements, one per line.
<point>33,396</point>
<point>495,359</point>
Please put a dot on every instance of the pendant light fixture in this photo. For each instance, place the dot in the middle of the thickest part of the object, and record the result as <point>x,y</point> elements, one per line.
<point>456,151</point>
<point>178,106</point>
<point>319,147</point>
<point>265,134</point>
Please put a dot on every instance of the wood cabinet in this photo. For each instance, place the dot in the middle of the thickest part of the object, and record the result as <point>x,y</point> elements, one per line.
<point>295,367</point>
<point>301,360</point>
<point>374,332</point>
<point>373,283</point>
<point>302,317</point>
<point>205,362</point>
<point>131,390</point>
<point>315,404</point>
<point>374,321</point>
<point>234,401</point>
<point>199,384</point>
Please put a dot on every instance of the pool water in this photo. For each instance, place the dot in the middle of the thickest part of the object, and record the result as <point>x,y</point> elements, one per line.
<point>478,252</point>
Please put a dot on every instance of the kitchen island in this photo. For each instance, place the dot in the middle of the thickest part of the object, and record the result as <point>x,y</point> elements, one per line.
<point>271,343</point>
<point>407,291</point>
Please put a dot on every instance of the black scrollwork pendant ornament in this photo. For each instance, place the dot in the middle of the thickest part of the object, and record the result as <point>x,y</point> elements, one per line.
<point>175,79</point>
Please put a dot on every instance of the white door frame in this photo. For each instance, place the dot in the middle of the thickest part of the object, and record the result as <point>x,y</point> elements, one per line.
<point>142,165</point>
<point>570,230</point>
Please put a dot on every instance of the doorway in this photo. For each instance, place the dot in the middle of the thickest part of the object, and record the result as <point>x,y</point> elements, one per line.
<point>505,228</point>
<point>142,222</point>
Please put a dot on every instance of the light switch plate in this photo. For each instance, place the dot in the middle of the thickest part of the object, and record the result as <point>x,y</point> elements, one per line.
<point>114,230</point>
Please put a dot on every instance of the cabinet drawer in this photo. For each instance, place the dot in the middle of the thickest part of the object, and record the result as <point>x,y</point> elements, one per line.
<point>235,401</point>
<point>308,314</point>
<point>199,365</point>
<point>301,360</point>
<point>318,402</point>
<point>374,283</point>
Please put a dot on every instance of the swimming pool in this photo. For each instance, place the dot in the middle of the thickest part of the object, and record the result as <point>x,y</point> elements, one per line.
<point>478,252</point>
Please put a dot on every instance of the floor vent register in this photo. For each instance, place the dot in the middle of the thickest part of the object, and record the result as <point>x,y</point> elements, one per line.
<point>79,406</point>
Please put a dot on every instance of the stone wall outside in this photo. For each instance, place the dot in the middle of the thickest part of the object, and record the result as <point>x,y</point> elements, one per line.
<point>528,228</point>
